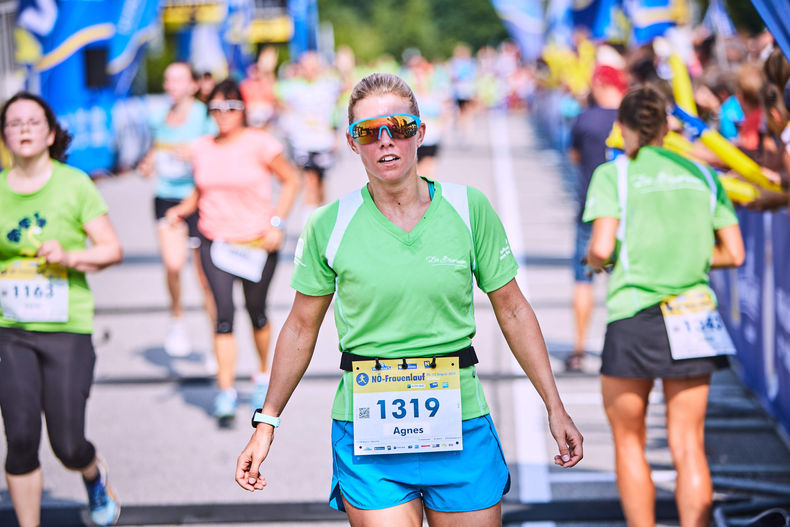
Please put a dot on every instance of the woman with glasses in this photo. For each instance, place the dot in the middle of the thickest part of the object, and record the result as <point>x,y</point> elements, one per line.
<point>241,229</point>
<point>411,428</point>
<point>668,221</point>
<point>46,308</point>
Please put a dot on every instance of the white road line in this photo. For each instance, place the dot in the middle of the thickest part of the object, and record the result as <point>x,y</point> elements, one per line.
<point>659,476</point>
<point>532,454</point>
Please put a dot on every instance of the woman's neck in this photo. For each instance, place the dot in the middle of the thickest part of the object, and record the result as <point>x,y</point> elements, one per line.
<point>30,174</point>
<point>399,195</point>
<point>229,136</point>
<point>182,104</point>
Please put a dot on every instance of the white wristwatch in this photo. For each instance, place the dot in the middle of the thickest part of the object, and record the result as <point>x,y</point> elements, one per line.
<point>277,222</point>
<point>259,417</point>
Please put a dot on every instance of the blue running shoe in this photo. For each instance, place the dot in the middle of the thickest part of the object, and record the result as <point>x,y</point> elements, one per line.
<point>261,382</point>
<point>103,505</point>
<point>225,404</point>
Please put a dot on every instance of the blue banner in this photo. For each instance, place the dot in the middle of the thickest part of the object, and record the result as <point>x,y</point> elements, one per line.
<point>304,14</point>
<point>779,389</point>
<point>235,43</point>
<point>524,22</point>
<point>775,15</point>
<point>87,57</point>
<point>754,302</point>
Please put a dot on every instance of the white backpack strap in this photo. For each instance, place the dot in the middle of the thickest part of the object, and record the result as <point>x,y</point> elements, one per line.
<point>347,207</point>
<point>621,163</point>
<point>711,184</point>
<point>456,195</point>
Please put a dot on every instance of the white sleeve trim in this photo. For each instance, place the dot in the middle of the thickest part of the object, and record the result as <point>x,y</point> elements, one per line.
<point>458,197</point>
<point>347,207</point>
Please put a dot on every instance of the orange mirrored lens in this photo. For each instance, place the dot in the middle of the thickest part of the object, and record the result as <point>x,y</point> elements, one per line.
<point>398,126</point>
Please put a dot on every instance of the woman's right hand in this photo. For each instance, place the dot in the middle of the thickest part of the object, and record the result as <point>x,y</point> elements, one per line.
<point>173,216</point>
<point>248,466</point>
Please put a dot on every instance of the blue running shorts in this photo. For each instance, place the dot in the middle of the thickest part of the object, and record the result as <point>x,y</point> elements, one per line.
<point>474,478</point>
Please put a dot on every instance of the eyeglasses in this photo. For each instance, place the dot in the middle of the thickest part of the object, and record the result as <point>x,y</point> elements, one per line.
<point>16,126</point>
<point>399,126</point>
<point>225,106</point>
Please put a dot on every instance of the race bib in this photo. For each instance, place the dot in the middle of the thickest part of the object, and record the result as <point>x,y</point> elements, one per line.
<point>694,327</point>
<point>169,166</point>
<point>401,410</point>
<point>31,291</point>
<point>244,261</point>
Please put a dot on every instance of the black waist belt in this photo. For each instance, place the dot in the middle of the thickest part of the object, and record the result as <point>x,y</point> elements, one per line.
<point>466,357</point>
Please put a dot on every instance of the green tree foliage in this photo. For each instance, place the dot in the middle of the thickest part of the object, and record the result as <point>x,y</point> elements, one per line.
<point>373,28</point>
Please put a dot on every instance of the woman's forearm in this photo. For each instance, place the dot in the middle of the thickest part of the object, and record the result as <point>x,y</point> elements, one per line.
<point>522,332</point>
<point>294,349</point>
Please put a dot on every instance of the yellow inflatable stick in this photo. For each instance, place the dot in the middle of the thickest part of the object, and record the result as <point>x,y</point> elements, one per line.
<point>677,143</point>
<point>681,84</point>
<point>738,191</point>
<point>737,160</point>
<point>615,139</point>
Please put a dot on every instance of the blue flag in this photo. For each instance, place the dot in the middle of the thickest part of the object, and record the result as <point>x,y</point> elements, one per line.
<point>649,18</point>
<point>603,18</point>
<point>560,23</point>
<point>524,22</point>
<point>776,15</point>
<point>718,20</point>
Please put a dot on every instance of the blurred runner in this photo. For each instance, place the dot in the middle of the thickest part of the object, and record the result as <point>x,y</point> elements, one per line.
<point>308,124</point>
<point>257,89</point>
<point>663,221</point>
<point>433,101</point>
<point>463,74</point>
<point>174,130</point>
<point>241,229</point>
<point>46,353</point>
<point>588,150</point>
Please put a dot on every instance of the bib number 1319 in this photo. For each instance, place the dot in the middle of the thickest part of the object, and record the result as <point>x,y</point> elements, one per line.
<point>401,409</point>
<point>407,407</point>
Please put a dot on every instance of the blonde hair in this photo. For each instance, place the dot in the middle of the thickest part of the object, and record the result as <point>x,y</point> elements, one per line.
<point>381,84</point>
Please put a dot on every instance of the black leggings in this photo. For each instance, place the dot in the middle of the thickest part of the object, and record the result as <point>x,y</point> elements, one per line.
<point>50,373</point>
<point>221,283</point>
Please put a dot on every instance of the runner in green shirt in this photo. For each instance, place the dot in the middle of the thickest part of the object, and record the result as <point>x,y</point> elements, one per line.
<point>46,308</point>
<point>401,256</point>
<point>664,221</point>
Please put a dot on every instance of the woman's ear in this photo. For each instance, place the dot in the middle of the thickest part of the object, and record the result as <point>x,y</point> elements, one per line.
<point>352,143</point>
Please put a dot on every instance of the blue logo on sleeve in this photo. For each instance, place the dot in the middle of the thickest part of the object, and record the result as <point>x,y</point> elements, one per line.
<point>362,379</point>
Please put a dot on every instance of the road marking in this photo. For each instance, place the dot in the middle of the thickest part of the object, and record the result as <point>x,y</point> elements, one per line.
<point>658,476</point>
<point>532,454</point>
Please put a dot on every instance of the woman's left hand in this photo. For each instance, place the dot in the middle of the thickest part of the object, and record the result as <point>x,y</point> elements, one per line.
<point>568,438</point>
<point>273,239</point>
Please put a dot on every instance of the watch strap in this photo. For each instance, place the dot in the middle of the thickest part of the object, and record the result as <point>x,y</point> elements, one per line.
<point>259,417</point>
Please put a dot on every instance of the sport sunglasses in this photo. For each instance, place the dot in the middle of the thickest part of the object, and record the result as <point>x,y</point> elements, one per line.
<point>225,106</point>
<point>398,126</point>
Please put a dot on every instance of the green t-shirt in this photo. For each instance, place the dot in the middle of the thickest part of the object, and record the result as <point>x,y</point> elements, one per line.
<point>665,239</point>
<point>404,294</point>
<point>58,211</point>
